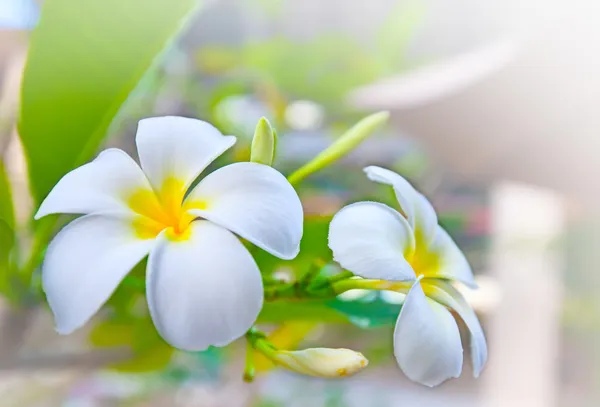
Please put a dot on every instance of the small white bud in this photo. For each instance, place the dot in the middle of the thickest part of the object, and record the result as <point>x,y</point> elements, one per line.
<point>322,362</point>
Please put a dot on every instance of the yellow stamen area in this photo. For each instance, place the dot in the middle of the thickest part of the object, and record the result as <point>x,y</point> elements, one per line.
<point>344,372</point>
<point>162,210</point>
<point>146,228</point>
<point>424,261</point>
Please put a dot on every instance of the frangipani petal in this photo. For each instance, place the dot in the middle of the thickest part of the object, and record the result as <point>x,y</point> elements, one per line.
<point>256,202</point>
<point>103,185</point>
<point>427,340</point>
<point>203,290</point>
<point>450,262</point>
<point>372,240</point>
<point>444,293</point>
<point>85,263</point>
<point>177,149</point>
<point>418,210</point>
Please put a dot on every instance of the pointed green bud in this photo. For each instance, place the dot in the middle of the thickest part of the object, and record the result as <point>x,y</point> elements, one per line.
<point>342,146</point>
<point>263,143</point>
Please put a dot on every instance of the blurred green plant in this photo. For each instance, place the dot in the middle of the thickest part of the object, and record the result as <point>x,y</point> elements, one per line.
<point>85,58</point>
<point>322,69</point>
<point>81,71</point>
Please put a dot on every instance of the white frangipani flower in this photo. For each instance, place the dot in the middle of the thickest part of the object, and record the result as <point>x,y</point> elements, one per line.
<point>375,241</point>
<point>203,286</point>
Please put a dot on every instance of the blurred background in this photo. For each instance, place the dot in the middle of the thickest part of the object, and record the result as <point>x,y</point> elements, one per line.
<point>494,116</point>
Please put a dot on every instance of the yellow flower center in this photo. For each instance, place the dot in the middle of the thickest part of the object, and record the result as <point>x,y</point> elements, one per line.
<point>423,260</point>
<point>163,210</point>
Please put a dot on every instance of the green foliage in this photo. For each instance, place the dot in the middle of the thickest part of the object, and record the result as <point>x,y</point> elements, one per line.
<point>129,325</point>
<point>7,236</point>
<point>367,314</point>
<point>7,240</point>
<point>85,58</point>
<point>323,69</point>
<point>7,213</point>
<point>149,351</point>
<point>312,247</point>
<point>397,29</point>
<point>306,310</point>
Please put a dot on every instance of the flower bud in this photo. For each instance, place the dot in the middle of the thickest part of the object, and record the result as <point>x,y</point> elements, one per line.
<point>263,143</point>
<point>322,362</point>
<point>342,146</point>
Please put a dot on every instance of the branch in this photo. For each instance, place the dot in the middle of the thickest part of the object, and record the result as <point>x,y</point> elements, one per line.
<point>88,360</point>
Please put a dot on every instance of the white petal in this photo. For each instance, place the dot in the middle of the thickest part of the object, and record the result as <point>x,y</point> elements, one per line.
<point>85,263</point>
<point>452,264</point>
<point>426,340</point>
<point>256,202</point>
<point>178,147</point>
<point>418,210</point>
<point>372,240</point>
<point>103,185</point>
<point>444,293</point>
<point>204,290</point>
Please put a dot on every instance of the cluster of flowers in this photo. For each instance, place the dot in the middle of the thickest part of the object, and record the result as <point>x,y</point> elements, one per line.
<point>204,288</point>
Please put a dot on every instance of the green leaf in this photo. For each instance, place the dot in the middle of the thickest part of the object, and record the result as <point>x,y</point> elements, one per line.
<point>107,334</point>
<point>149,351</point>
<point>312,247</point>
<point>395,33</point>
<point>7,224</point>
<point>85,58</point>
<point>367,314</point>
<point>7,214</point>
<point>323,69</point>
<point>314,310</point>
<point>7,240</point>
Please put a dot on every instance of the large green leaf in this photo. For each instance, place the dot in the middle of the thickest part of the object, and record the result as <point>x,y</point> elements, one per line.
<point>7,225</point>
<point>7,239</point>
<point>85,58</point>
<point>7,214</point>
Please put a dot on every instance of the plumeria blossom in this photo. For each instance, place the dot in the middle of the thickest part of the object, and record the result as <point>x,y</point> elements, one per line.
<point>375,241</point>
<point>202,285</point>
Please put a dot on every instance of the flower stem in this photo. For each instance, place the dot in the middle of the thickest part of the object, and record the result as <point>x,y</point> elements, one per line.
<point>249,370</point>
<point>258,341</point>
<point>330,288</point>
<point>342,286</point>
<point>341,276</point>
<point>284,290</point>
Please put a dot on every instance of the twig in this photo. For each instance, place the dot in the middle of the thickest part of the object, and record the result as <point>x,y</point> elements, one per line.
<point>81,361</point>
